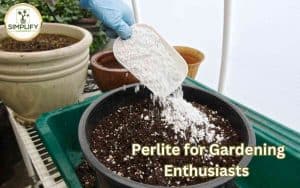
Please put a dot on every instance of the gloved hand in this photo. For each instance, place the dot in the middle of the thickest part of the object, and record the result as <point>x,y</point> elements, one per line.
<point>114,14</point>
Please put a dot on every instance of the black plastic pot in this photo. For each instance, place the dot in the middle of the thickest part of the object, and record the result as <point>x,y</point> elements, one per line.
<point>111,100</point>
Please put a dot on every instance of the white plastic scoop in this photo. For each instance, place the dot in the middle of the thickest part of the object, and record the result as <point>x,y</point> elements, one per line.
<point>151,60</point>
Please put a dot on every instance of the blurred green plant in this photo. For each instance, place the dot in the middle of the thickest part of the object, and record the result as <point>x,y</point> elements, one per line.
<point>99,41</point>
<point>63,11</point>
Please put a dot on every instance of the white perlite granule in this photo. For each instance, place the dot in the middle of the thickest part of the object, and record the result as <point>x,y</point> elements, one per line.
<point>151,60</point>
<point>157,65</point>
<point>184,116</point>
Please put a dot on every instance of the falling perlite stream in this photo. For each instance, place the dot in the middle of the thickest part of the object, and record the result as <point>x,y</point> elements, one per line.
<point>161,69</point>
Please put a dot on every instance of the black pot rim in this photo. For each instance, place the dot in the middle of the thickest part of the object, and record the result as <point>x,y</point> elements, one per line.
<point>90,157</point>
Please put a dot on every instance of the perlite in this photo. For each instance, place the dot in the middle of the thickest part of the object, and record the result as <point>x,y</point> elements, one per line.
<point>151,60</point>
<point>161,69</point>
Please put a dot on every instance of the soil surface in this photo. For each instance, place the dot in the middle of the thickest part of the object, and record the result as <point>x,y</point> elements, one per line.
<point>86,175</point>
<point>112,139</point>
<point>42,42</point>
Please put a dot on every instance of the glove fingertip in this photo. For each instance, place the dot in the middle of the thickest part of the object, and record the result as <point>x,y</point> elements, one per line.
<point>124,31</point>
<point>125,35</point>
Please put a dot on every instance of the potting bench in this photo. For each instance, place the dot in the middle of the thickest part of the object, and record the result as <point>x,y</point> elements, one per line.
<point>38,162</point>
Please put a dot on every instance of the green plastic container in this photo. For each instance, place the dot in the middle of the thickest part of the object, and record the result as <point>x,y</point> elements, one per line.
<point>58,131</point>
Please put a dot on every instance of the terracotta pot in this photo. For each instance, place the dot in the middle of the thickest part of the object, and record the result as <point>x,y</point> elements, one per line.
<point>35,82</point>
<point>110,78</point>
<point>92,21</point>
<point>89,24</point>
<point>108,73</point>
<point>193,57</point>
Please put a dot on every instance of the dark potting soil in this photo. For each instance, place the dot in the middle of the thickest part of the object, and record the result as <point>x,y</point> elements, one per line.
<point>111,142</point>
<point>42,42</point>
<point>86,174</point>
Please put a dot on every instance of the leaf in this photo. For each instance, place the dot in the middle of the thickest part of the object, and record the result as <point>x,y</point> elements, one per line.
<point>68,10</point>
<point>51,7</point>
<point>51,19</point>
<point>3,10</point>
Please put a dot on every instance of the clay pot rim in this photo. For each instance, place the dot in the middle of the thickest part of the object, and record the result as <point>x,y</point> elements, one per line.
<point>53,54</point>
<point>96,65</point>
<point>86,20</point>
<point>197,52</point>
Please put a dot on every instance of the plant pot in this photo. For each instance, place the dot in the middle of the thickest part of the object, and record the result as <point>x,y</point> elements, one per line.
<point>35,82</point>
<point>108,73</point>
<point>88,23</point>
<point>193,57</point>
<point>92,21</point>
<point>123,96</point>
<point>111,78</point>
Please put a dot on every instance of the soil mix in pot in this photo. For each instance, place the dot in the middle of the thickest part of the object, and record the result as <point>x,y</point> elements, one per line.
<point>42,42</point>
<point>141,122</point>
<point>86,174</point>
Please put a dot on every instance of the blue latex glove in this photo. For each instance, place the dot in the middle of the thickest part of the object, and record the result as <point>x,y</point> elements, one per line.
<point>114,14</point>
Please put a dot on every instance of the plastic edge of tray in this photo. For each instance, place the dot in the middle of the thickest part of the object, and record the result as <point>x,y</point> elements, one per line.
<point>52,144</point>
